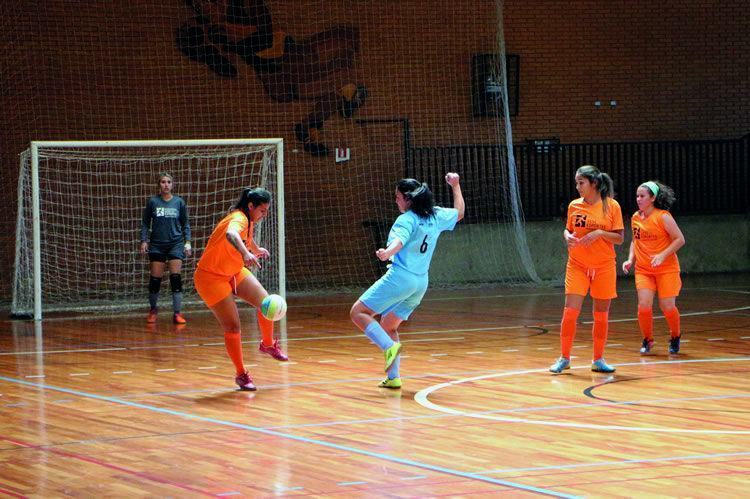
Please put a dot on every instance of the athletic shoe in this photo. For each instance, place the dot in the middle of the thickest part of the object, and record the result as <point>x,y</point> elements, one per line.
<point>274,351</point>
<point>245,382</point>
<point>178,319</point>
<point>560,365</point>
<point>390,354</point>
<point>394,383</point>
<point>152,315</point>
<point>674,344</point>
<point>601,366</point>
<point>646,346</point>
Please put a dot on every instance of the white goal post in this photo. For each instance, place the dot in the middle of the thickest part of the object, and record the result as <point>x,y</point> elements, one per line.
<point>80,206</point>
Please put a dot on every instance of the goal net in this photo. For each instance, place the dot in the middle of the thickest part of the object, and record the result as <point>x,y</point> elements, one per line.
<point>391,89</point>
<point>80,206</point>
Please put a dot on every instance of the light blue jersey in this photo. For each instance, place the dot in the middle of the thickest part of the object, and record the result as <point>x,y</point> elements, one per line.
<point>401,289</point>
<point>419,237</point>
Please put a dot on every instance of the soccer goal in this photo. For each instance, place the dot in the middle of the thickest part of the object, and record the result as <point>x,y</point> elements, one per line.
<point>80,206</point>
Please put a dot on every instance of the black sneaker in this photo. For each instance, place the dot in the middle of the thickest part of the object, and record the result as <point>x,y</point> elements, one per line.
<point>674,345</point>
<point>646,346</point>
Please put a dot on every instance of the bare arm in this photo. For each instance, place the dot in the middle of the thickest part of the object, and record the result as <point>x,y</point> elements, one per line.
<point>458,198</point>
<point>678,240</point>
<point>631,258</point>
<point>614,236</point>
<point>236,241</point>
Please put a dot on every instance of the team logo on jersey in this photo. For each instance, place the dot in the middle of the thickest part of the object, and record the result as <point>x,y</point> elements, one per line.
<point>166,212</point>
<point>636,232</point>
<point>580,221</point>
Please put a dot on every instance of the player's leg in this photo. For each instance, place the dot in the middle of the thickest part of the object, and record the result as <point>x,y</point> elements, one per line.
<point>390,323</point>
<point>669,286</point>
<point>388,291</point>
<point>157,263</point>
<point>252,291</point>
<point>217,294</point>
<point>645,285</point>
<point>392,319</point>
<point>174,264</point>
<point>576,288</point>
<point>603,290</point>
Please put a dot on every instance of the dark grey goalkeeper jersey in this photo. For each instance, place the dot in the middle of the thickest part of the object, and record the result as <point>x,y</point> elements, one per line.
<point>167,221</point>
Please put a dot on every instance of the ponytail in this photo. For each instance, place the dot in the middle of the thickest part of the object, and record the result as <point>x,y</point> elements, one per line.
<point>664,196</point>
<point>420,196</point>
<point>256,197</point>
<point>601,181</point>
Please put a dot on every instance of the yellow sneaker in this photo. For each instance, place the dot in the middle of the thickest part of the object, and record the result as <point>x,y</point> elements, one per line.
<point>394,383</point>
<point>390,354</point>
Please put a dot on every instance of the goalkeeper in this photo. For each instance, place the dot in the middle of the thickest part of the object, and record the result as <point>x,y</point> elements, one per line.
<point>165,236</point>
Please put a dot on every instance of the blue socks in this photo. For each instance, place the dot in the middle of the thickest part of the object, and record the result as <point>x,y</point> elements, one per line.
<point>393,370</point>
<point>378,335</point>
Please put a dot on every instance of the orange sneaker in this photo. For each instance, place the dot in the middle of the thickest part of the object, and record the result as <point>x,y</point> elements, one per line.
<point>152,315</point>
<point>179,319</point>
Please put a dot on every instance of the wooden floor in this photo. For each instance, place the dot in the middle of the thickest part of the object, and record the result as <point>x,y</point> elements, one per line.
<point>107,407</point>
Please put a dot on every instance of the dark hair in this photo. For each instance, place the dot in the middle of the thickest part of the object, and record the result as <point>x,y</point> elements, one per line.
<point>256,197</point>
<point>422,200</point>
<point>601,181</point>
<point>665,198</point>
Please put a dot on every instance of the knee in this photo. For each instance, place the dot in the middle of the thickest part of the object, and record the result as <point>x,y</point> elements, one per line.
<point>666,307</point>
<point>154,284</point>
<point>175,282</point>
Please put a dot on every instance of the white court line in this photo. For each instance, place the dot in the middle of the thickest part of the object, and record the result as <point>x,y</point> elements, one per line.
<point>433,339</point>
<point>421,398</point>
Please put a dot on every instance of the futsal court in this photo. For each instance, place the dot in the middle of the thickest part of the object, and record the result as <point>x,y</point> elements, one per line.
<point>109,406</point>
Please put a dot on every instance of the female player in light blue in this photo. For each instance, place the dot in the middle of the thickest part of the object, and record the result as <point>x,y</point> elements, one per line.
<point>410,246</point>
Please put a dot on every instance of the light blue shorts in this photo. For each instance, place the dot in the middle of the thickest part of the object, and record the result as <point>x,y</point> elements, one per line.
<point>398,291</point>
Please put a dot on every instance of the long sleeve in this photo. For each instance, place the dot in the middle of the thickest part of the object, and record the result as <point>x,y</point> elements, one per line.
<point>185,221</point>
<point>146,221</point>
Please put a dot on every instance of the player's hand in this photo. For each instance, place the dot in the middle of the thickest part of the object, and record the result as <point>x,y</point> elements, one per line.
<point>144,247</point>
<point>657,260</point>
<point>262,253</point>
<point>589,238</point>
<point>188,249</point>
<point>452,178</point>
<point>382,254</point>
<point>251,260</point>
<point>571,240</point>
<point>626,266</point>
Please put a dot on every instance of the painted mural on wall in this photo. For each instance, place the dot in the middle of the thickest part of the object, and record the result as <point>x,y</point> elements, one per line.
<point>224,33</point>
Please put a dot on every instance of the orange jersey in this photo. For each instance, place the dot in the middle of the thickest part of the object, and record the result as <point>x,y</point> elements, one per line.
<point>584,218</point>
<point>651,238</point>
<point>220,257</point>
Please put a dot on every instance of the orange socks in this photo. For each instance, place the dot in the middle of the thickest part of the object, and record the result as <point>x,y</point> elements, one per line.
<point>673,321</point>
<point>599,332</point>
<point>646,322</point>
<point>266,328</point>
<point>233,343</point>
<point>568,330</point>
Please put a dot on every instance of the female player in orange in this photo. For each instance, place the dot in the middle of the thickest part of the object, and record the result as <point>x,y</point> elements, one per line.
<point>656,239</point>
<point>222,273</point>
<point>594,226</point>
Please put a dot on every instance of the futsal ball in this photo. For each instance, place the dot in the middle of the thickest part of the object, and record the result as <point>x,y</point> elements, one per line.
<point>273,307</point>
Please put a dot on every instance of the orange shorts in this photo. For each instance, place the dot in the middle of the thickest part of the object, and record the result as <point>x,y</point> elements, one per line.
<point>601,281</point>
<point>212,288</point>
<point>667,285</point>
